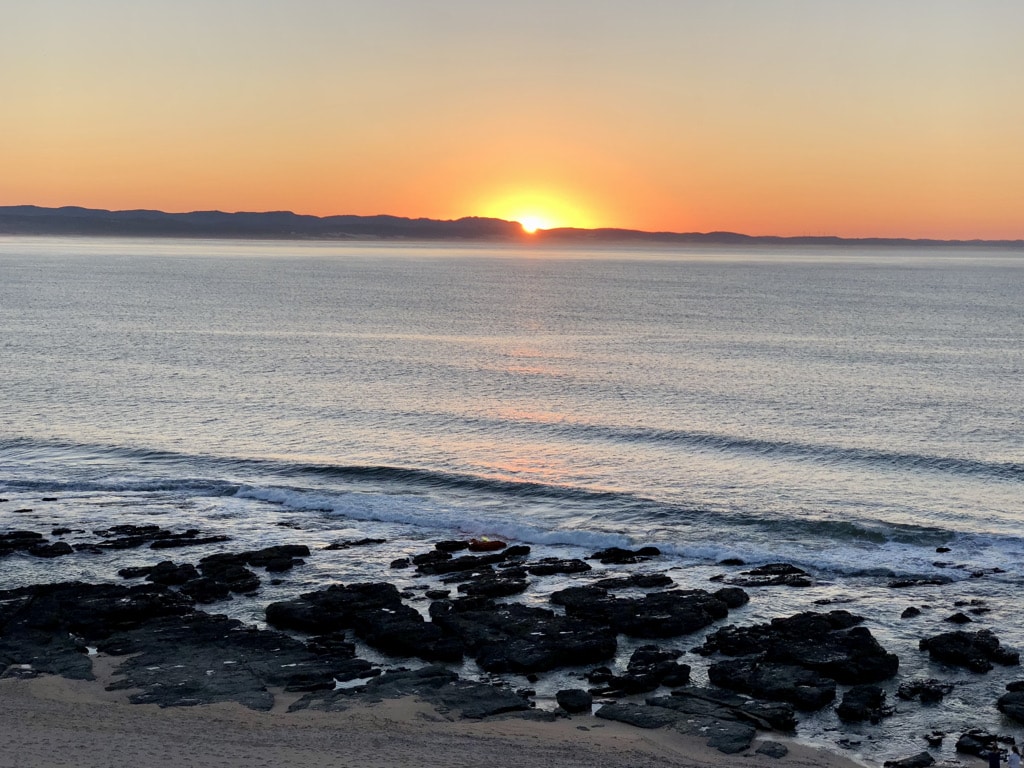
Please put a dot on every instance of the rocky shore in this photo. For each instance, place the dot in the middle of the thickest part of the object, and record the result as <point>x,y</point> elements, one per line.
<point>463,640</point>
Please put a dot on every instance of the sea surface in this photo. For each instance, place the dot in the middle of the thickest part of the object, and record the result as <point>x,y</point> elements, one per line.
<point>844,409</point>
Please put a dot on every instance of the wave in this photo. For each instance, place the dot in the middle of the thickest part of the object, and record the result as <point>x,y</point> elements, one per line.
<point>413,511</point>
<point>547,513</point>
<point>191,486</point>
<point>410,478</point>
<point>439,479</point>
<point>516,510</point>
<point>1009,470</point>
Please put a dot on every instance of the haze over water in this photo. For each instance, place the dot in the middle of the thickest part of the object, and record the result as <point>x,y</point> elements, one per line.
<point>848,410</point>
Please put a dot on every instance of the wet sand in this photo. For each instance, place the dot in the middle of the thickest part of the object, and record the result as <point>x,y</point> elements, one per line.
<point>50,721</point>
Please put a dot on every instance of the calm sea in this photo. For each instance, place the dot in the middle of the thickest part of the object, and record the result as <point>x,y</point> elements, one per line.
<point>845,409</point>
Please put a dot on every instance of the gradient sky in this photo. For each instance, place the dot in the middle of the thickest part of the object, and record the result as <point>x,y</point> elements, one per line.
<point>850,117</point>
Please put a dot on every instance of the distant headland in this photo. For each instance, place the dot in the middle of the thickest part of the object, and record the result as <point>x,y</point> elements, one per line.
<point>284,225</point>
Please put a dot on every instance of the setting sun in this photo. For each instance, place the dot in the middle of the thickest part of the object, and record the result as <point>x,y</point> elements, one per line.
<point>537,210</point>
<point>531,224</point>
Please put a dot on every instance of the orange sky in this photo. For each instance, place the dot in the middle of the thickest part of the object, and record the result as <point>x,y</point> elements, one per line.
<point>811,117</point>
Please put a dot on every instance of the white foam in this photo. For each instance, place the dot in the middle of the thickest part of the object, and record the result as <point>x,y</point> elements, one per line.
<point>970,552</point>
<point>423,513</point>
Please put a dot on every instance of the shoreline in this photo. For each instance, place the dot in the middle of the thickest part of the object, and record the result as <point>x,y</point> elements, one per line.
<point>53,721</point>
<point>155,654</point>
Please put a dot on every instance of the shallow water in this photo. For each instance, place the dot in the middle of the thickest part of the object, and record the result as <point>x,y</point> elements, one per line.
<point>848,410</point>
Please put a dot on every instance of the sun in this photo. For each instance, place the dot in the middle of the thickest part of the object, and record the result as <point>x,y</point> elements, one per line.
<point>531,223</point>
<point>537,210</point>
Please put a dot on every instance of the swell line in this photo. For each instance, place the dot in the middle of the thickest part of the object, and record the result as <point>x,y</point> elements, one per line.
<point>1010,470</point>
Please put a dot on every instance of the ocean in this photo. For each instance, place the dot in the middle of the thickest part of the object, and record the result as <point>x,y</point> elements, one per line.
<point>845,409</point>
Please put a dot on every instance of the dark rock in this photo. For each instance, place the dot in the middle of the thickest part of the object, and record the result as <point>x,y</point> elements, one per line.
<point>131,536</point>
<point>772,749</point>
<point>649,668</point>
<point>437,594</point>
<point>928,691</point>
<point>958,618</point>
<point>976,742</point>
<point>57,549</point>
<point>202,659</point>
<point>771,575</point>
<point>973,602</point>
<point>803,688</point>
<point>729,737</point>
<point>517,552</point>
<point>974,650</point>
<point>654,615</point>
<point>205,590</point>
<point>943,550</point>
<point>230,571</point>
<point>486,545</point>
<point>834,600</point>
<point>332,609</point>
<point>777,715</point>
<point>479,700</point>
<point>863,702</point>
<point>451,546</point>
<point>46,626</point>
<point>518,638</point>
<point>734,597</point>
<point>552,565</point>
<point>922,581</point>
<point>828,643</point>
<point>435,685</point>
<point>435,556</point>
<point>1011,704</point>
<point>980,572</point>
<point>1016,685</point>
<point>402,562</point>
<point>168,573</point>
<point>910,613</point>
<point>19,540</point>
<point>638,715</point>
<point>574,700</point>
<point>375,611</point>
<point>458,577</point>
<point>63,531</point>
<point>135,572</point>
<point>182,540</point>
<point>494,586</point>
<point>701,704</point>
<point>334,644</point>
<point>620,556</point>
<point>732,561</point>
<point>934,738</point>
<point>642,580</point>
<point>336,545</point>
<point>283,564</point>
<point>463,564</point>
<point>722,730</point>
<point>263,558</point>
<point>920,760</point>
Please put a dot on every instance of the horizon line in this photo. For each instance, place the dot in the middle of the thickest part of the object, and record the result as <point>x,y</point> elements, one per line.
<point>519,234</point>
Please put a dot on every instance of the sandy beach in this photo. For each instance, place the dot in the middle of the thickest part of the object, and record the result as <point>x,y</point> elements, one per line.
<point>50,721</point>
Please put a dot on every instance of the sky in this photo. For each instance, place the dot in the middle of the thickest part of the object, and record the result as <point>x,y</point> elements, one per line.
<point>897,118</point>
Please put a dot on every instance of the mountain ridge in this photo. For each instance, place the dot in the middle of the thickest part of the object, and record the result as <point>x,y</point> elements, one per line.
<point>76,220</point>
